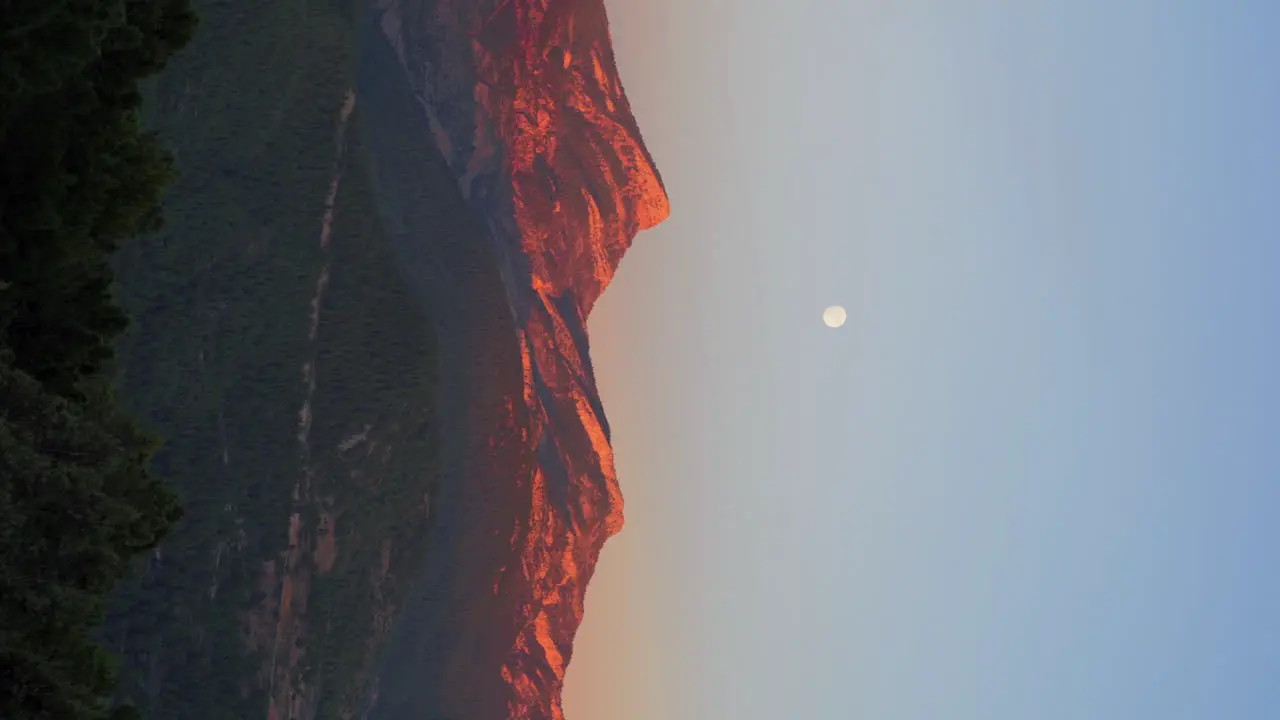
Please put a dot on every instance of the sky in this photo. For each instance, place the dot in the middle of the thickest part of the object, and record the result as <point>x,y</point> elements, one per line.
<point>1034,474</point>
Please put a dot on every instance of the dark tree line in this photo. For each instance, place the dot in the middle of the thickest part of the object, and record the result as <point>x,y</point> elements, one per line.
<point>78,177</point>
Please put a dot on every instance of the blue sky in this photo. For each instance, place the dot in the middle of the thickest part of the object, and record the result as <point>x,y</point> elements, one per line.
<point>1035,474</point>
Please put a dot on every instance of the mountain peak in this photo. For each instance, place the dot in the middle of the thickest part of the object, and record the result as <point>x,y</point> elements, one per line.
<point>523,101</point>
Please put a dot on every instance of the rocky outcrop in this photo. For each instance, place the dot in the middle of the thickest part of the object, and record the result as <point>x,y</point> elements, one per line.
<point>523,101</point>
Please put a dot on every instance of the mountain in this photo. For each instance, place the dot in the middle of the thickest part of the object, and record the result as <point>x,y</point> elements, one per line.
<point>361,335</point>
<point>522,100</point>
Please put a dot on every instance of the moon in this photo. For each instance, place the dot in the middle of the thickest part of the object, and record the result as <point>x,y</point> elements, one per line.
<point>834,316</point>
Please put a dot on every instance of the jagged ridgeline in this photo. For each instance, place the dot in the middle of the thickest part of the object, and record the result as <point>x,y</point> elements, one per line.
<point>277,351</point>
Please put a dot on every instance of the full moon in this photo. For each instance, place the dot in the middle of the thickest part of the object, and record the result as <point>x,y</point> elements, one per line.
<point>834,316</point>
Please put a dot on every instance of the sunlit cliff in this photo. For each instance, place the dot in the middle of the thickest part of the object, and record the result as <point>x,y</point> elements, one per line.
<point>523,101</point>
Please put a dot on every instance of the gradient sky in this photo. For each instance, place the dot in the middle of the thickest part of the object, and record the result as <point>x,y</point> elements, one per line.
<point>1036,475</point>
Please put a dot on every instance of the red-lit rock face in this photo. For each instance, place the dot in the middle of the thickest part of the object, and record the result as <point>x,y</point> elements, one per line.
<point>583,182</point>
<point>524,102</point>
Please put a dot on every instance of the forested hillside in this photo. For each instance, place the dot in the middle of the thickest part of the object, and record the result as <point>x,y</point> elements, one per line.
<point>276,350</point>
<point>272,355</point>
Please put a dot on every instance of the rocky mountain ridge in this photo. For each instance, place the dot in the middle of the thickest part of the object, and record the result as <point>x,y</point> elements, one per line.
<point>522,99</point>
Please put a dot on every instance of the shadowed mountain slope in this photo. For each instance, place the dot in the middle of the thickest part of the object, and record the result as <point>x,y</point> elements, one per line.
<point>522,103</point>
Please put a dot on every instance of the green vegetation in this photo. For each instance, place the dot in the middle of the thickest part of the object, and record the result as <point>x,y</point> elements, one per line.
<point>265,415</point>
<point>78,177</point>
<point>290,380</point>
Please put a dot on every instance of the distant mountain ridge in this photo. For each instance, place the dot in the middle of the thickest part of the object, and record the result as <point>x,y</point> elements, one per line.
<point>522,100</point>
